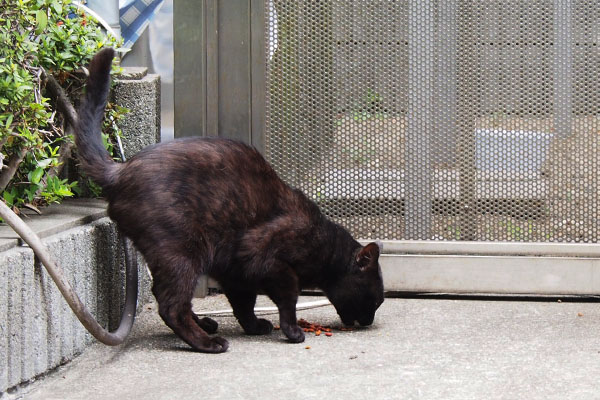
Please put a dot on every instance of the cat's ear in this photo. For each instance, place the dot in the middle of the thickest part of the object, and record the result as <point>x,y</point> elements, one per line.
<point>368,256</point>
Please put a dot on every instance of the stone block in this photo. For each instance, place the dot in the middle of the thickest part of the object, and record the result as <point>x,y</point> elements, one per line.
<point>14,263</point>
<point>3,323</point>
<point>140,93</point>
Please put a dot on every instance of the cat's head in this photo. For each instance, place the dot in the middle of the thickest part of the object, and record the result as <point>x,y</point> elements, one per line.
<point>357,294</point>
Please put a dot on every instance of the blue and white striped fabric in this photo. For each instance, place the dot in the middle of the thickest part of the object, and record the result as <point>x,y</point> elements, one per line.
<point>134,16</point>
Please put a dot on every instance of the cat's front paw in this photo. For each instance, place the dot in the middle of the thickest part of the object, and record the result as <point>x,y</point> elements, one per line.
<point>261,327</point>
<point>293,333</point>
<point>213,345</point>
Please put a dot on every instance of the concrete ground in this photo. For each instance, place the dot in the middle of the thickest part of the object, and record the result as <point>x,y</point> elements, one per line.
<point>417,349</point>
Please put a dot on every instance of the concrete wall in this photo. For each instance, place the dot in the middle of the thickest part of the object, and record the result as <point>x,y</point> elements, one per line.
<point>38,330</point>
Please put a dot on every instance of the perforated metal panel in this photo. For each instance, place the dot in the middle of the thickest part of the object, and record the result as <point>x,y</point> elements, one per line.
<point>439,120</point>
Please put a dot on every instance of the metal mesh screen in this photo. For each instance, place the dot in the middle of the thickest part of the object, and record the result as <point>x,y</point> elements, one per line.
<point>439,120</point>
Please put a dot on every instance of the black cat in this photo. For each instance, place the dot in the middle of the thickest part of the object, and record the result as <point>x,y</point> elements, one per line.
<point>215,206</point>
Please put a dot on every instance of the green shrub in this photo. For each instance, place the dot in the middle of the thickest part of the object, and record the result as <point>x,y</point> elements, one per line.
<point>41,38</point>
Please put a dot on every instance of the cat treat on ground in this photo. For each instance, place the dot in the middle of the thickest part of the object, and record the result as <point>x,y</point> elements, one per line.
<point>317,329</point>
<point>312,327</point>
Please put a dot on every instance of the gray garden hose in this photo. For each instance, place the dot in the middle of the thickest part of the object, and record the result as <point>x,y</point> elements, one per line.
<point>82,313</point>
<point>29,237</point>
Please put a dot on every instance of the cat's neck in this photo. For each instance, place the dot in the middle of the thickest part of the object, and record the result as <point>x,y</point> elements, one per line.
<point>339,247</point>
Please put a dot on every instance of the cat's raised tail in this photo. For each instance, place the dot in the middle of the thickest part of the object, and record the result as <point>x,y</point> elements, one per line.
<point>94,157</point>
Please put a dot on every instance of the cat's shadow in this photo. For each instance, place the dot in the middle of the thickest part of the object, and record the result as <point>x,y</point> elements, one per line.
<point>168,341</point>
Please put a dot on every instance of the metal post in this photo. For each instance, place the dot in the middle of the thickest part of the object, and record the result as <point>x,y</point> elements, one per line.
<point>467,110</point>
<point>189,68</point>
<point>444,146</point>
<point>258,48</point>
<point>418,196</point>
<point>563,68</point>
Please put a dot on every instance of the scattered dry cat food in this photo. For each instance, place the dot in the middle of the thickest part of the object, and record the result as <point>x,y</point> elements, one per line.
<point>317,329</point>
<point>313,328</point>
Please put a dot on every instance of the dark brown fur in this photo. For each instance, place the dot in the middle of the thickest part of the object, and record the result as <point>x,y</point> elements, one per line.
<point>215,206</point>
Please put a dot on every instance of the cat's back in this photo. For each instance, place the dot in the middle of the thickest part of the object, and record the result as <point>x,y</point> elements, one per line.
<point>208,177</point>
<point>207,159</point>
<point>206,152</point>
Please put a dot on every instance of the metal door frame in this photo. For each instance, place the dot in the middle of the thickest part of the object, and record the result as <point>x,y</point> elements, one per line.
<point>219,59</point>
<point>491,267</point>
<point>219,51</point>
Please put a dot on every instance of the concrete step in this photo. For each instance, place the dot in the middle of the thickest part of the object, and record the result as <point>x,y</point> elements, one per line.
<point>38,330</point>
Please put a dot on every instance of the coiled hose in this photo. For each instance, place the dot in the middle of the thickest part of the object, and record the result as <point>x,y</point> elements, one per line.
<point>82,313</point>
<point>131,272</point>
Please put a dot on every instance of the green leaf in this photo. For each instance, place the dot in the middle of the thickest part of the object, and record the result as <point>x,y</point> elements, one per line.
<point>23,88</point>
<point>9,121</point>
<point>9,198</point>
<point>63,191</point>
<point>36,175</point>
<point>66,55</point>
<point>57,7</point>
<point>45,163</point>
<point>41,20</point>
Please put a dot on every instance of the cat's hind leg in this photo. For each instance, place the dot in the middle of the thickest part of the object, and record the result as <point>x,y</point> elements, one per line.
<point>242,301</point>
<point>173,289</point>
